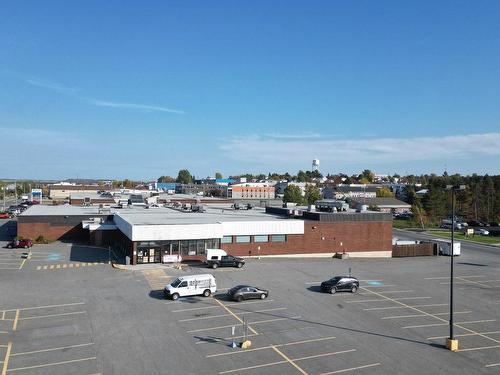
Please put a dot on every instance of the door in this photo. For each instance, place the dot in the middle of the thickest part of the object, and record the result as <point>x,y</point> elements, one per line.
<point>183,289</point>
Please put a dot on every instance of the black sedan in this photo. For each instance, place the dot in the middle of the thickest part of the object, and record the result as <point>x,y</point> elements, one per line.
<point>340,284</point>
<point>241,292</point>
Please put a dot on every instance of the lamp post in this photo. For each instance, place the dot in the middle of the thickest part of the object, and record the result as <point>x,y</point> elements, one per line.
<point>451,342</point>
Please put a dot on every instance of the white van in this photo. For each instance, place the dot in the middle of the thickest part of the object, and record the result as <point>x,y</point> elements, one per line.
<point>193,285</point>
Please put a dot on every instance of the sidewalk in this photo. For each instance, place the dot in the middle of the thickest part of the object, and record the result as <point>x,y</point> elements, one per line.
<point>147,267</point>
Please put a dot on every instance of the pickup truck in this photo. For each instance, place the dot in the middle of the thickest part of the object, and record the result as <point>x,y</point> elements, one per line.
<point>226,261</point>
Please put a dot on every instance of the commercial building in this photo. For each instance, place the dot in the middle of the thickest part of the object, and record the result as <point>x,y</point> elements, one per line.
<point>148,235</point>
<point>63,191</point>
<point>385,204</point>
<point>250,190</point>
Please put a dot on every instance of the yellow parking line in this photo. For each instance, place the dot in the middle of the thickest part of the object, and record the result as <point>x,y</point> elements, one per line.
<point>300,369</point>
<point>351,369</point>
<point>235,316</point>
<point>52,349</point>
<point>14,325</point>
<point>463,335</point>
<point>6,359</point>
<point>53,364</point>
<point>22,263</point>
<point>480,348</point>
<point>52,315</point>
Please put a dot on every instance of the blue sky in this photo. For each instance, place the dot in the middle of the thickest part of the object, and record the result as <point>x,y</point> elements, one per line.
<point>141,89</point>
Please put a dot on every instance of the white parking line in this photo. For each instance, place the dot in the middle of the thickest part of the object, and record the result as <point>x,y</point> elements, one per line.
<point>463,335</point>
<point>480,348</point>
<point>239,324</point>
<point>52,364</point>
<point>351,369</point>
<point>445,324</point>
<point>447,277</point>
<point>420,315</point>
<point>52,349</point>
<point>493,365</point>
<point>52,315</point>
<point>404,307</point>
<point>377,300</point>
<point>218,306</point>
<point>222,315</point>
<point>270,346</point>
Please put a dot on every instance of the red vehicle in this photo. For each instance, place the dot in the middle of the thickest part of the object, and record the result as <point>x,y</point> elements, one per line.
<point>20,243</point>
<point>4,215</point>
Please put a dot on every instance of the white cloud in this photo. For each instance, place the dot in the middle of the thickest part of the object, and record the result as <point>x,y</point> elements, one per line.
<point>54,86</point>
<point>141,107</point>
<point>292,136</point>
<point>286,152</point>
<point>72,91</point>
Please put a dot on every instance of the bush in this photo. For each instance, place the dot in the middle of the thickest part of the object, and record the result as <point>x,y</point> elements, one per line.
<point>41,239</point>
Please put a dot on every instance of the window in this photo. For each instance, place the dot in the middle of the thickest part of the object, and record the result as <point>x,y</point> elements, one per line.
<point>242,239</point>
<point>263,238</point>
<point>227,239</point>
<point>184,284</point>
<point>278,238</point>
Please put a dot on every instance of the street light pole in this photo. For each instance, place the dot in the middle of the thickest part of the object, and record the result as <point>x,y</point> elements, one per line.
<point>451,342</point>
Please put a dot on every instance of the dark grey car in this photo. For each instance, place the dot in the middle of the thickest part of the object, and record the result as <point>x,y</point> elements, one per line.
<point>242,292</point>
<point>340,284</point>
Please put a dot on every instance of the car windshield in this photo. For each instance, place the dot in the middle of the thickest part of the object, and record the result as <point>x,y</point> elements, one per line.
<point>176,283</point>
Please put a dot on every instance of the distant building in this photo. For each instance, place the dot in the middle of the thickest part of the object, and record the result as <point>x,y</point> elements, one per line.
<point>250,190</point>
<point>391,205</point>
<point>349,191</point>
<point>63,191</point>
<point>282,185</point>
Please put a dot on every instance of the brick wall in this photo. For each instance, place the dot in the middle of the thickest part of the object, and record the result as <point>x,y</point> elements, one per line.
<point>52,232</point>
<point>324,238</point>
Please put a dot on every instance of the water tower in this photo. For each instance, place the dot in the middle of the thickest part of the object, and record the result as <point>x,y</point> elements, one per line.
<point>315,165</point>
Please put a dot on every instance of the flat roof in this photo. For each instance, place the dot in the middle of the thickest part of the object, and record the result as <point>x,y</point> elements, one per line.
<point>62,210</point>
<point>170,216</point>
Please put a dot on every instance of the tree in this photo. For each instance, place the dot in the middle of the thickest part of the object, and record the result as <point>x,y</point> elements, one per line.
<point>293,194</point>
<point>367,174</point>
<point>384,192</point>
<point>302,177</point>
<point>184,177</point>
<point>166,179</point>
<point>218,175</point>
<point>312,194</point>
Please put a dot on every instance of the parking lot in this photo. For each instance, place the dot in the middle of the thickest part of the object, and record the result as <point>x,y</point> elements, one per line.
<point>93,319</point>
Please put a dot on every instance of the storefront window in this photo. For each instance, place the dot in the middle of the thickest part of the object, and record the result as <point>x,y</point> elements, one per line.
<point>227,239</point>
<point>242,239</point>
<point>278,238</point>
<point>263,238</point>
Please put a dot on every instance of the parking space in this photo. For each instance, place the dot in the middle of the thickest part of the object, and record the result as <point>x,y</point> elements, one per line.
<point>46,339</point>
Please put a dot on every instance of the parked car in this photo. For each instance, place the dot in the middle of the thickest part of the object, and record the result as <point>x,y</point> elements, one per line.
<point>481,232</point>
<point>25,243</point>
<point>494,224</point>
<point>475,223</point>
<point>340,284</point>
<point>242,292</point>
<point>225,261</point>
<point>5,215</point>
<point>193,285</point>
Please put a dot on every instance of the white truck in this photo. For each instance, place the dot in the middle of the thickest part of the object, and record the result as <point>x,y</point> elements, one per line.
<point>193,285</point>
<point>445,247</point>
